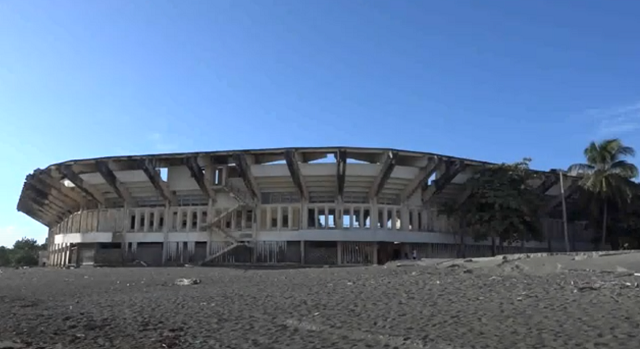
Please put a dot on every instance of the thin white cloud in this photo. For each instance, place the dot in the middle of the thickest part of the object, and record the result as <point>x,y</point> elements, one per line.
<point>617,120</point>
<point>160,143</point>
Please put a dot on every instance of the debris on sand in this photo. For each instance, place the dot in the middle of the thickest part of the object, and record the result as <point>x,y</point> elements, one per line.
<point>10,345</point>
<point>597,285</point>
<point>187,282</point>
<point>139,262</point>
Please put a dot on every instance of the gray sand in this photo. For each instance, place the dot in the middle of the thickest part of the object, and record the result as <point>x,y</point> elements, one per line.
<point>445,306</point>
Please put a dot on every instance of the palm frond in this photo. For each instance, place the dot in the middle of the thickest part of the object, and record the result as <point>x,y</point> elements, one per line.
<point>624,169</point>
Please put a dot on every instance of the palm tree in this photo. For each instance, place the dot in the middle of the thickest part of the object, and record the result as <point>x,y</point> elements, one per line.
<point>607,175</point>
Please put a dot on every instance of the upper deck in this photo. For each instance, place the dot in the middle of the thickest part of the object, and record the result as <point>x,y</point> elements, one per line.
<point>261,176</point>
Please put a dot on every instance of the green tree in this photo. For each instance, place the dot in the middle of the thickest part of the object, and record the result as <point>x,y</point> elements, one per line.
<point>607,176</point>
<point>6,257</point>
<point>25,252</point>
<point>502,204</point>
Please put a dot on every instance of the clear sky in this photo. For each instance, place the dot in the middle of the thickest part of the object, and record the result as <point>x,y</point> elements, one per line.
<point>492,80</point>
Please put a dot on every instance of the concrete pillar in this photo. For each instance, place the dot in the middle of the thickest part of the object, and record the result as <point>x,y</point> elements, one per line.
<point>326,217</point>
<point>269,219</point>
<point>54,255</point>
<point>374,214</point>
<point>256,218</point>
<point>405,221</point>
<point>156,219</point>
<point>424,215</point>
<point>385,217</point>
<point>233,216</point>
<point>302,252</point>
<point>375,253</point>
<point>168,219</point>
<point>316,217</point>
<point>147,220</point>
<point>279,218</point>
<point>304,213</point>
<point>189,219</point>
<point>67,252</point>
<point>339,248</point>
<point>137,214</point>
<point>79,222</point>
<point>351,216</point>
<point>339,215</point>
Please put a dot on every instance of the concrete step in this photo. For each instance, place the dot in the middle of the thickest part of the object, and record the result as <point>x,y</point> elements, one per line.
<point>216,219</point>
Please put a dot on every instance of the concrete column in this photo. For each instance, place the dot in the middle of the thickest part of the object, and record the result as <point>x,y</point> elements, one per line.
<point>223,173</point>
<point>362,223</point>
<point>404,218</point>
<point>339,247</point>
<point>375,253</point>
<point>233,216</point>
<point>351,216</point>
<point>147,220</point>
<point>304,213</point>
<point>136,225</point>
<point>256,219</point>
<point>316,217</point>
<point>168,218</point>
<point>156,219</point>
<point>394,218</point>
<point>339,216</point>
<point>424,215</point>
<point>279,218</point>
<point>64,254</point>
<point>302,252</point>
<point>326,217</point>
<point>374,214</point>
<point>54,255</point>
<point>243,218</point>
<point>79,222</point>
<point>269,218</point>
<point>385,217</point>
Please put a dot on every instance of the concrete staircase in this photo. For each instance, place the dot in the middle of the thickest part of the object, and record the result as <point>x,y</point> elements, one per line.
<point>243,199</point>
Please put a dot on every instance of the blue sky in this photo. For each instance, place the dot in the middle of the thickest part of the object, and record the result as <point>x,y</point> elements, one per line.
<point>493,80</point>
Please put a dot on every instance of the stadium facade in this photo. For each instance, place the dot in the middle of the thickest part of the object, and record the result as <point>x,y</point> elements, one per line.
<point>334,205</point>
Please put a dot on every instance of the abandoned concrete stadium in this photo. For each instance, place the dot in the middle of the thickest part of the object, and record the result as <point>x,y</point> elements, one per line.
<point>302,205</point>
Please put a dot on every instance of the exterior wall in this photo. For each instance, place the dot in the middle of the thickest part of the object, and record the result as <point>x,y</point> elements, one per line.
<point>321,252</point>
<point>275,222</point>
<point>281,229</point>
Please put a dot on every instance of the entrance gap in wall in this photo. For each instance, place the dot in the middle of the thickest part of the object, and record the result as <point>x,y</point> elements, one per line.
<point>431,179</point>
<point>164,173</point>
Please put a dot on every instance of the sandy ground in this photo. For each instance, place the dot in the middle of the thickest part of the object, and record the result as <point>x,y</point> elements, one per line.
<point>451,305</point>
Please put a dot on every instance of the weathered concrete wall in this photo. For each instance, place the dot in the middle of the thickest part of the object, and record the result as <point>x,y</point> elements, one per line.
<point>111,256</point>
<point>357,252</point>
<point>150,253</point>
<point>321,252</point>
<point>200,252</point>
<point>86,254</point>
<point>294,253</point>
